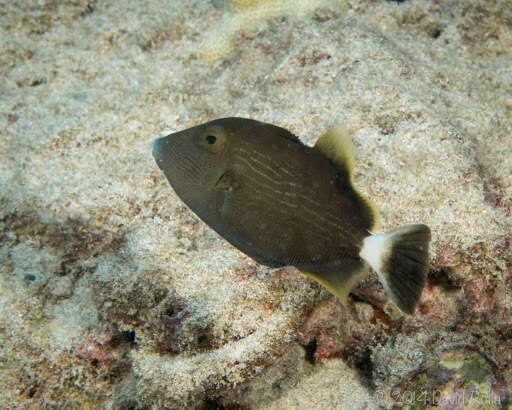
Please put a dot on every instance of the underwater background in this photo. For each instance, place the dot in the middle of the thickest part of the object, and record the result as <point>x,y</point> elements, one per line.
<point>115,295</point>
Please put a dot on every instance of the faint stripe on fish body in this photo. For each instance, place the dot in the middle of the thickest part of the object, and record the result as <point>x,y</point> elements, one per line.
<point>327,210</point>
<point>250,157</point>
<point>257,169</point>
<point>187,163</point>
<point>331,222</point>
<point>275,164</point>
<point>278,182</point>
<point>269,192</point>
<point>293,207</point>
<point>265,158</point>
<point>326,221</point>
<point>299,222</point>
<point>334,215</point>
<point>332,211</point>
<point>274,194</point>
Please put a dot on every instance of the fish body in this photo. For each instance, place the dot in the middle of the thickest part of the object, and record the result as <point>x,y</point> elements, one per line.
<point>284,203</point>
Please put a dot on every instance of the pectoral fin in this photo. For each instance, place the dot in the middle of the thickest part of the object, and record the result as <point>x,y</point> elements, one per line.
<point>341,281</point>
<point>227,183</point>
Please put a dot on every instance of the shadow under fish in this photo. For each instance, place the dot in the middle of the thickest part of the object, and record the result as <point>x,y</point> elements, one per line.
<point>284,203</point>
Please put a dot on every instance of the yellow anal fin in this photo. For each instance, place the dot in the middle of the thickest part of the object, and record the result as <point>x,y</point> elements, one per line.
<point>341,282</point>
<point>336,144</point>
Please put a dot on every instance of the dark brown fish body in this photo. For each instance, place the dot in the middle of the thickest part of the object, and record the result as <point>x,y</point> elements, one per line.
<point>279,201</point>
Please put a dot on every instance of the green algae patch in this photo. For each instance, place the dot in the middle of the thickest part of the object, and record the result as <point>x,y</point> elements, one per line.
<point>475,369</point>
<point>460,377</point>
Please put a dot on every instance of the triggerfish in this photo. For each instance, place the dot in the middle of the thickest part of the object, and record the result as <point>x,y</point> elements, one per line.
<point>284,203</point>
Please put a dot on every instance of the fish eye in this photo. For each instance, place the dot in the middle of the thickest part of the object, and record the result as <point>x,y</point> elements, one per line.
<point>214,140</point>
<point>210,139</point>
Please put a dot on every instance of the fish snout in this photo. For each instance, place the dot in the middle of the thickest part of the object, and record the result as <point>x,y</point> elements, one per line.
<point>158,148</point>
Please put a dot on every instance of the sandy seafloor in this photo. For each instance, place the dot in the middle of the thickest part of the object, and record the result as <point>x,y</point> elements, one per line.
<point>114,295</point>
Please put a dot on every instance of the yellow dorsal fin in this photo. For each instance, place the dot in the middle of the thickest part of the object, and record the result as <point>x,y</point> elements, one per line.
<point>336,144</point>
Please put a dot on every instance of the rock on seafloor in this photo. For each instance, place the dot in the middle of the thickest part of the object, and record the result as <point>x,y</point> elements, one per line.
<point>114,295</point>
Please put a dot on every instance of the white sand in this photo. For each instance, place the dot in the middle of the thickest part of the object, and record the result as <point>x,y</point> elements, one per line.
<point>93,241</point>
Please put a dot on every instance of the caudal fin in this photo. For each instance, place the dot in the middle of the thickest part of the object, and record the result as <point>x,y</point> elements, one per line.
<point>400,258</point>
